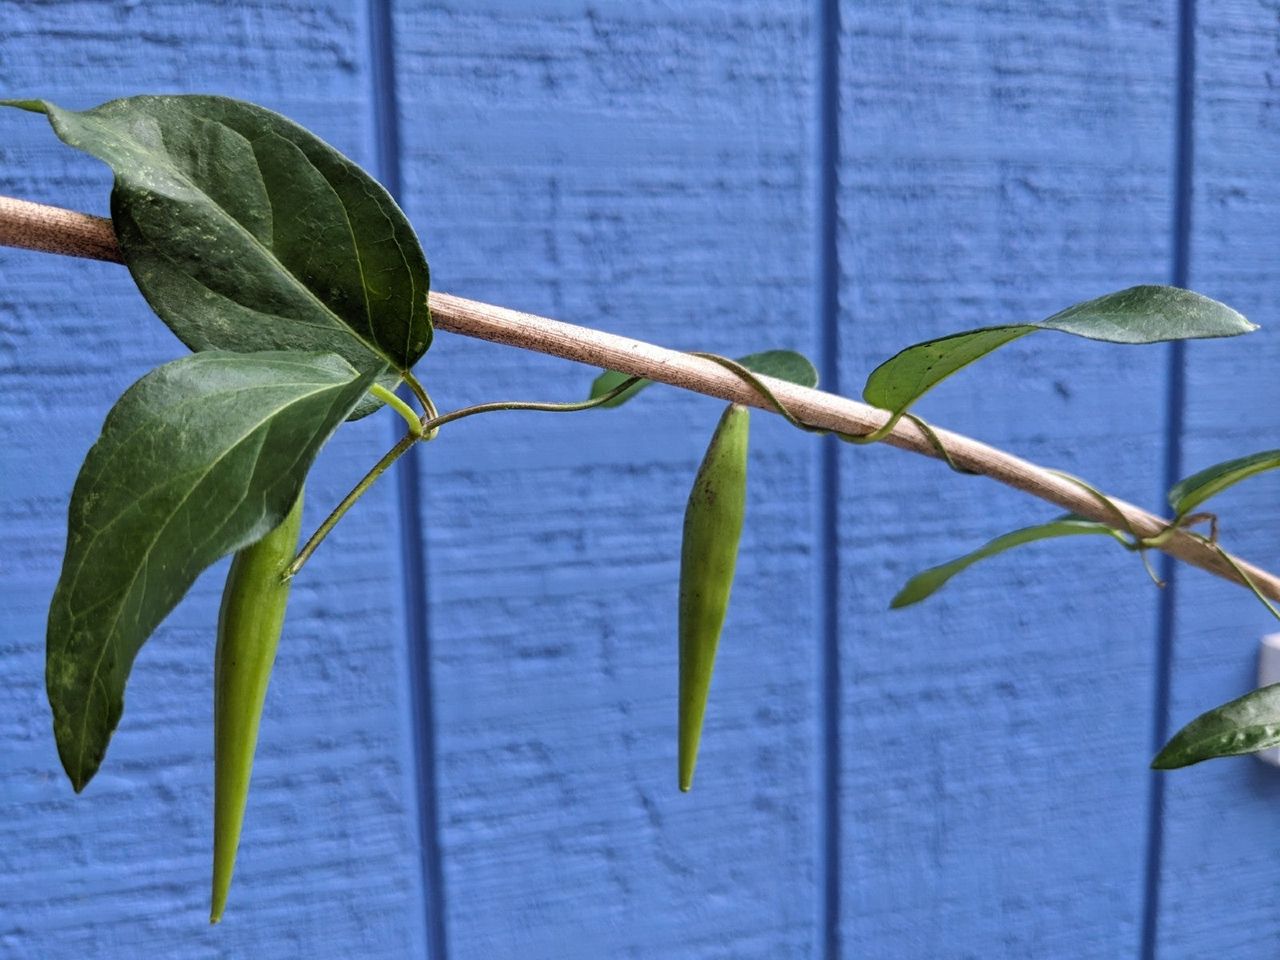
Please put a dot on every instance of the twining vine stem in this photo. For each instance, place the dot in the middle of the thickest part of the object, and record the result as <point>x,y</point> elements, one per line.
<point>54,230</point>
<point>358,491</point>
<point>426,429</point>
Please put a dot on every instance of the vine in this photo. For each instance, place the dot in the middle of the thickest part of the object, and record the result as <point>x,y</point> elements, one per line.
<point>303,293</point>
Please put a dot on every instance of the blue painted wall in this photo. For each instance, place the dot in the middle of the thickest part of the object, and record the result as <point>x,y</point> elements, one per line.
<point>468,747</point>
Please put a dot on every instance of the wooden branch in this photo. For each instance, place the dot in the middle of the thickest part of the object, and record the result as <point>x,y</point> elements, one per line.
<point>34,226</point>
<point>51,229</point>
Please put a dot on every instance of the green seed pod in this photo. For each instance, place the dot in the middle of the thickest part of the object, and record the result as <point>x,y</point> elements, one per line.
<point>712,528</point>
<point>249,624</point>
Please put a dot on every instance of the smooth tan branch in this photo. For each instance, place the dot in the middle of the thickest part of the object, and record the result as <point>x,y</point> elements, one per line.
<point>36,226</point>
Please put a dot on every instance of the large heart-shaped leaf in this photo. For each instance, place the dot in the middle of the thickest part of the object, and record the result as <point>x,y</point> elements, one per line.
<point>782,364</point>
<point>1143,314</point>
<point>246,232</point>
<point>1188,494</point>
<point>1245,725</point>
<point>928,582</point>
<point>199,458</point>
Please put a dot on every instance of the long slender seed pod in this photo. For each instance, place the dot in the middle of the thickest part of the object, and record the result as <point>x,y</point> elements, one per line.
<point>249,624</point>
<point>712,528</point>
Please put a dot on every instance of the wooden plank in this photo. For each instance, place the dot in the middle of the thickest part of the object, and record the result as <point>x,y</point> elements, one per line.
<point>1220,817</point>
<point>645,167</point>
<point>999,162</point>
<point>328,866</point>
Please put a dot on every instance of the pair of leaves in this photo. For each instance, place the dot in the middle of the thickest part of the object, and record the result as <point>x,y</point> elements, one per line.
<point>1142,314</point>
<point>245,233</point>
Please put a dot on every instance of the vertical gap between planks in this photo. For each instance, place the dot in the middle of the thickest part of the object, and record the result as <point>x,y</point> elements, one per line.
<point>1166,623</point>
<point>412,541</point>
<point>827,109</point>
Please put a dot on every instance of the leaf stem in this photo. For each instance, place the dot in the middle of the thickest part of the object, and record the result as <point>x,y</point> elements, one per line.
<point>347,502</point>
<point>1121,521</point>
<point>429,411</point>
<point>419,391</point>
<point>500,405</point>
<point>425,430</point>
<point>399,406</point>
<point>1248,580</point>
<point>943,453</point>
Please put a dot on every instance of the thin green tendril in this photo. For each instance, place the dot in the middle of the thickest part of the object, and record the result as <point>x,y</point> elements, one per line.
<point>943,453</point>
<point>1241,573</point>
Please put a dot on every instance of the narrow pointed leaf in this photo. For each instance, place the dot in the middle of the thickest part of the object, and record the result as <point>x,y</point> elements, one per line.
<point>1245,725</point>
<point>928,582</point>
<point>1188,494</point>
<point>1143,314</point>
<point>782,364</point>
<point>246,232</point>
<point>199,458</point>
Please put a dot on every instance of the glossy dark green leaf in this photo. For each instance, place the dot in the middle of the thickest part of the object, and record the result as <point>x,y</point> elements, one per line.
<point>1245,725</point>
<point>1144,314</point>
<point>928,582</point>
<point>1188,494</point>
<point>782,364</point>
<point>246,232</point>
<point>199,458</point>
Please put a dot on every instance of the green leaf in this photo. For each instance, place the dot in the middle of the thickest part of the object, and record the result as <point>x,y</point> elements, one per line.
<point>785,365</point>
<point>1188,494</point>
<point>1245,725</point>
<point>611,380</point>
<point>1143,314</point>
<point>928,582</point>
<point>782,364</point>
<point>246,232</point>
<point>905,377</point>
<point>199,458</point>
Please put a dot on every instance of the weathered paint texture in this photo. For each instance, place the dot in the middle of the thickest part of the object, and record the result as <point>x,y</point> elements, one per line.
<point>655,168</point>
